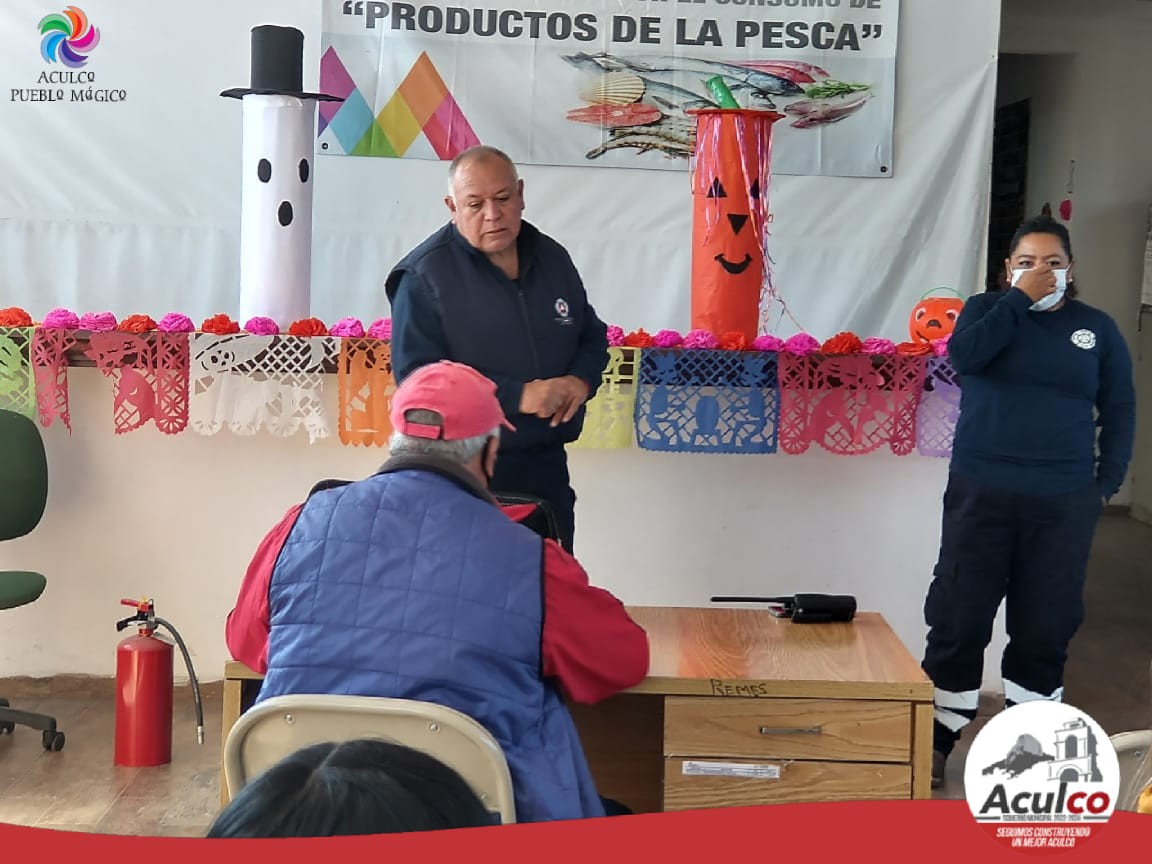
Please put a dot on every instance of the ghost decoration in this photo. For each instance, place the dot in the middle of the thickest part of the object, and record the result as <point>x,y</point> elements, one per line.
<point>730,177</point>
<point>276,204</point>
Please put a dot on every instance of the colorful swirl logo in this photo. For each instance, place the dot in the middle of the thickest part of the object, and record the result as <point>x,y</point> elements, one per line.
<point>68,37</point>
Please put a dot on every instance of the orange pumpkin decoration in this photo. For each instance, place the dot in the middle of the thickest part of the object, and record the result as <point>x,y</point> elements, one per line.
<point>729,203</point>
<point>934,317</point>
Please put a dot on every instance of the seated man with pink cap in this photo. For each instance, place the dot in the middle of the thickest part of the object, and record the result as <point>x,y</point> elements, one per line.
<point>414,584</point>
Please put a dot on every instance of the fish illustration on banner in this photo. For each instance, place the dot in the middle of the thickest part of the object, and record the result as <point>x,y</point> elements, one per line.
<point>642,101</point>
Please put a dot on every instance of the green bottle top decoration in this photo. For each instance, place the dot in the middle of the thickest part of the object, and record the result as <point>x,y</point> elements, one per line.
<point>721,93</point>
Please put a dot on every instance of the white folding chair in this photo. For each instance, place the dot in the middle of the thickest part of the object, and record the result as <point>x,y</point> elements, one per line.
<point>1131,750</point>
<point>278,727</point>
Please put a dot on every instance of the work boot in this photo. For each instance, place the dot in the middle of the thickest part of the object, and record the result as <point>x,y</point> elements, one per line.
<point>938,761</point>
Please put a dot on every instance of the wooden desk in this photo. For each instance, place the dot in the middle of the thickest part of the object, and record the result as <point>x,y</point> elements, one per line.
<point>790,712</point>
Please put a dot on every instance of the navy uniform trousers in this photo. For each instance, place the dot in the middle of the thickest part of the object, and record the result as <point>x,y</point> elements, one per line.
<point>1027,550</point>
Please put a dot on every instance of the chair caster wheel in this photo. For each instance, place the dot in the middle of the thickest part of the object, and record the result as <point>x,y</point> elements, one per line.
<point>53,740</point>
<point>8,728</point>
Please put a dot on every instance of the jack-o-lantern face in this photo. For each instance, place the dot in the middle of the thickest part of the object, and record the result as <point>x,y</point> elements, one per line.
<point>737,222</point>
<point>934,318</point>
<point>728,181</point>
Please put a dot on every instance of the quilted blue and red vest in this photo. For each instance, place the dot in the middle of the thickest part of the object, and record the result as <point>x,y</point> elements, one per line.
<point>410,585</point>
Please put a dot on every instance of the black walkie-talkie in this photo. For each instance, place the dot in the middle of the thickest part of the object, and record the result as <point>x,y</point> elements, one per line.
<point>803,608</point>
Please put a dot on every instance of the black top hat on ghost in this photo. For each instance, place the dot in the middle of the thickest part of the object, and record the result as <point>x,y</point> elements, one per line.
<point>277,65</point>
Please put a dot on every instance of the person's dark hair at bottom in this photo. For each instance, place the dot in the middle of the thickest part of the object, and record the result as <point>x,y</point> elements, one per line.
<point>352,788</point>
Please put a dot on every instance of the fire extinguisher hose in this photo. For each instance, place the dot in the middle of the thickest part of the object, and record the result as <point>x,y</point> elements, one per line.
<point>191,676</point>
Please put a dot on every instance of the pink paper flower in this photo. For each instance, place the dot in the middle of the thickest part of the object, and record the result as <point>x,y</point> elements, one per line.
<point>801,345</point>
<point>767,342</point>
<point>940,346</point>
<point>348,328</point>
<point>61,319</point>
<point>262,326</point>
<point>176,322</point>
<point>667,339</point>
<point>98,322</point>
<point>615,336</point>
<point>876,345</point>
<point>701,339</point>
<point>381,329</point>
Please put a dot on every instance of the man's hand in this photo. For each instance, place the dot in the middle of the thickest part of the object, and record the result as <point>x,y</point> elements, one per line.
<point>540,397</point>
<point>574,392</point>
<point>555,398</point>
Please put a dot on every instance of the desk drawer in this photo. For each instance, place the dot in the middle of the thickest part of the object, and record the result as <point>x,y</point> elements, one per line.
<point>797,781</point>
<point>829,729</point>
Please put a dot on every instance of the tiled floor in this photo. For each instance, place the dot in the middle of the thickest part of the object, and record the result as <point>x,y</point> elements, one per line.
<point>80,789</point>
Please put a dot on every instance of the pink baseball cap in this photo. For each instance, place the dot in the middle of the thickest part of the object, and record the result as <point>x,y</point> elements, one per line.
<point>465,400</point>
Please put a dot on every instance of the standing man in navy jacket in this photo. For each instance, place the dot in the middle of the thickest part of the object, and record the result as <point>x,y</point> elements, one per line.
<point>493,292</point>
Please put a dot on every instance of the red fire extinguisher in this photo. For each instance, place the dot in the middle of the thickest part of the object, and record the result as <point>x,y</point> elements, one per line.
<point>144,690</point>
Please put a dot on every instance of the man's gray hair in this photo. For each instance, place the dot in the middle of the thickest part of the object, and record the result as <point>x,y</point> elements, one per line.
<point>477,153</point>
<point>461,451</point>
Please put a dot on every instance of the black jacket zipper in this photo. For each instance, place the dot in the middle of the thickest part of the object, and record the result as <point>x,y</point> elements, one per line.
<point>528,327</point>
<point>526,266</point>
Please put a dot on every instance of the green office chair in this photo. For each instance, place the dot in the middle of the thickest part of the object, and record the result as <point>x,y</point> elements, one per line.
<point>23,496</point>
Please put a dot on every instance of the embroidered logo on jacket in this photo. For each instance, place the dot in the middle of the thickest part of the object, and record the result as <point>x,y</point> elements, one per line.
<point>1085,339</point>
<point>561,307</point>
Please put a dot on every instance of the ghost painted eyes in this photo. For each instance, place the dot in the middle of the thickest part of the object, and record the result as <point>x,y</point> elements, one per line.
<point>264,170</point>
<point>264,173</point>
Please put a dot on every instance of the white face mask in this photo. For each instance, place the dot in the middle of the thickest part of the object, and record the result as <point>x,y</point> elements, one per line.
<point>1046,303</point>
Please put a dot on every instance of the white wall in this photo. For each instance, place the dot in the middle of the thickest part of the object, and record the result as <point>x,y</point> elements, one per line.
<point>1104,121</point>
<point>178,518</point>
<point>146,216</point>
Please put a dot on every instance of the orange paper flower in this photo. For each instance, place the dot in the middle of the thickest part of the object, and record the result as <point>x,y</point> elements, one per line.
<point>14,316</point>
<point>842,343</point>
<point>308,327</point>
<point>220,325</point>
<point>914,349</point>
<point>136,324</point>
<point>733,340</point>
<point>639,339</point>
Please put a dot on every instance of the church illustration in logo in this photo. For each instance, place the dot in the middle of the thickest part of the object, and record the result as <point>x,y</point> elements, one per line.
<point>1076,754</point>
<point>1075,760</point>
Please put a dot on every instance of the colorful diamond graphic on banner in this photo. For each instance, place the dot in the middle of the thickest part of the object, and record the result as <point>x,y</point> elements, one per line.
<point>334,79</point>
<point>351,121</point>
<point>421,105</point>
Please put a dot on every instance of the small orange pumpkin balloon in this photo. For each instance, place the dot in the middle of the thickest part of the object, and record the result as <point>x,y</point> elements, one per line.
<point>934,317</point>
